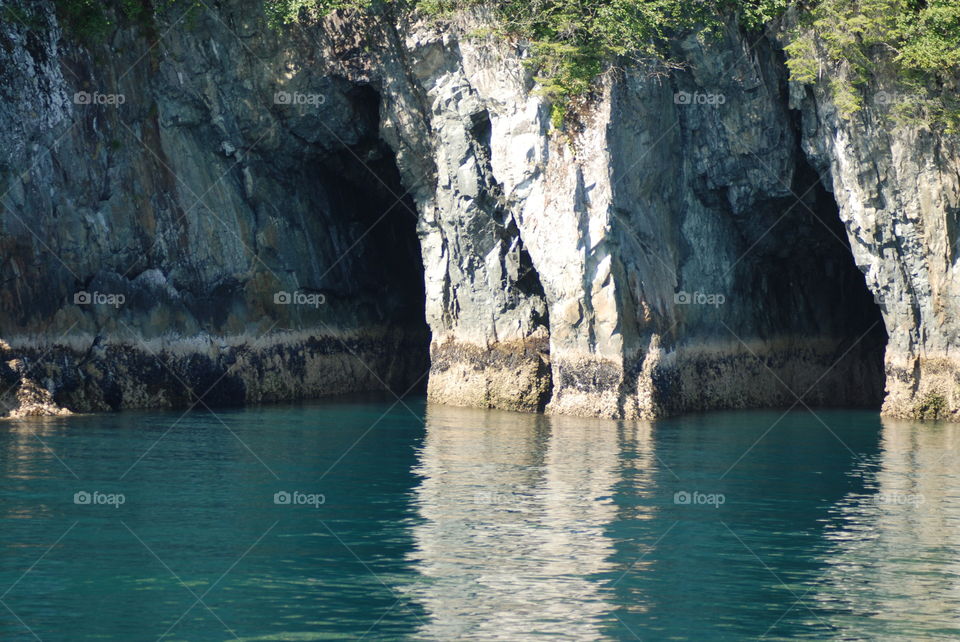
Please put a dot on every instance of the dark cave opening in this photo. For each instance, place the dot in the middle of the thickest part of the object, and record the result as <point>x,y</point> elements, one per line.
<point>378,276</point>
<point>849,310</point>
<point>810,287</point>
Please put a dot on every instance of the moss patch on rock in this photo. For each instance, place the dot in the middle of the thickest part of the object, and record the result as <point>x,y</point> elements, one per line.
<point>931,406</point>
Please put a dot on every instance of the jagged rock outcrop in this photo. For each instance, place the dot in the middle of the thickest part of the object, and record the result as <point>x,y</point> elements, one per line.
<point>691,242</point>
<point>898,188</point>
<point>678,250</point>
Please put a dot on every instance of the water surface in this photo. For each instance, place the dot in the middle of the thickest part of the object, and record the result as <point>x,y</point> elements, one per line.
<point>437,523</point>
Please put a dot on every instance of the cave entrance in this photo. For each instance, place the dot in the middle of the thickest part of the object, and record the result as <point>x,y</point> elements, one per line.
<point>812,290</point>
<point>377,277</point>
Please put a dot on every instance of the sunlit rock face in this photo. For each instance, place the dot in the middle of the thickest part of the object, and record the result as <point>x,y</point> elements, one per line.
<point>898,188</point>
<point>207,214</point>
<point>673,250</point>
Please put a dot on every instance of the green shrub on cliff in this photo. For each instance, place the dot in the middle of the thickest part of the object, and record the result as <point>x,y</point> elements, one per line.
<point>571,42</point>
<point>282,12</point>
<point>84,18</point>
<point>93,20</point>
<point>849,45</point>
<point>916,43</point>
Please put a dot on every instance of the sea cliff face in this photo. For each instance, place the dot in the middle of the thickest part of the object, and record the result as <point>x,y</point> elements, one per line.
<point>672,251</point>
<point>275,213</point>
<point>898,191</point>
<point>196,209</point>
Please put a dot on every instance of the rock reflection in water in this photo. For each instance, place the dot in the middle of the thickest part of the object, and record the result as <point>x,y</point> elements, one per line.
<point>894,565</point>
<point>514,511</point>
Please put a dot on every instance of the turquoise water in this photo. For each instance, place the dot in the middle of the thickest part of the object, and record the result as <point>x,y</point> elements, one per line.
<point>409,521</point>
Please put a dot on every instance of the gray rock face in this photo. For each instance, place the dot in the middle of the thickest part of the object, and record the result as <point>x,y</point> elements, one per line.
<point>198,206</point>
<point>680,252</point>
<point>693,242</point>
<point>898,188</point>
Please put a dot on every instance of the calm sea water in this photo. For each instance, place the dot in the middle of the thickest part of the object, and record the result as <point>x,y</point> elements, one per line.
<point>369,519</point>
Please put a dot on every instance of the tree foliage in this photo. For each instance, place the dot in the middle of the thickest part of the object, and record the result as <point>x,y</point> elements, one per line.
<point>913,43</point>
<point>571,42</point>
<point>93,20</point>
<point>848,45</point>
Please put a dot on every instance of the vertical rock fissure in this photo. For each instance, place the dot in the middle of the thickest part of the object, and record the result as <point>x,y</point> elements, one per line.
<point>519,279</point>
<point>526,283</point>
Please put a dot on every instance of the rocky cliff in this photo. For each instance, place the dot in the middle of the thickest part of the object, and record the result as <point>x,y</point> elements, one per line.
<point>674,251</point>
<point>898,191</point>
<point>273,212</point>
<point>196,212</point>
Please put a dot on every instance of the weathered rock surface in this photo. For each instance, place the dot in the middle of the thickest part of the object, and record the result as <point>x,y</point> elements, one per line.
<point>692,243</point>
<point>679,256</point>
<point>198,207</point>
<point>898,188</point>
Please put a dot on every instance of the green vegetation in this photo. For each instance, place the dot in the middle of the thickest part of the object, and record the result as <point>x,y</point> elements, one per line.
<point>16,14</point>
<point>93,20</point>
<point>283,12</point>
<point>571,41</point>
<point>914,42</point>
<point>932,406</point>
<point>85,18</point>
<point>848,45</point>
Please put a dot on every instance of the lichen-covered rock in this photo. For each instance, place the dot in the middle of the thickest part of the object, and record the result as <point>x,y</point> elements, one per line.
<point>24,397</point>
